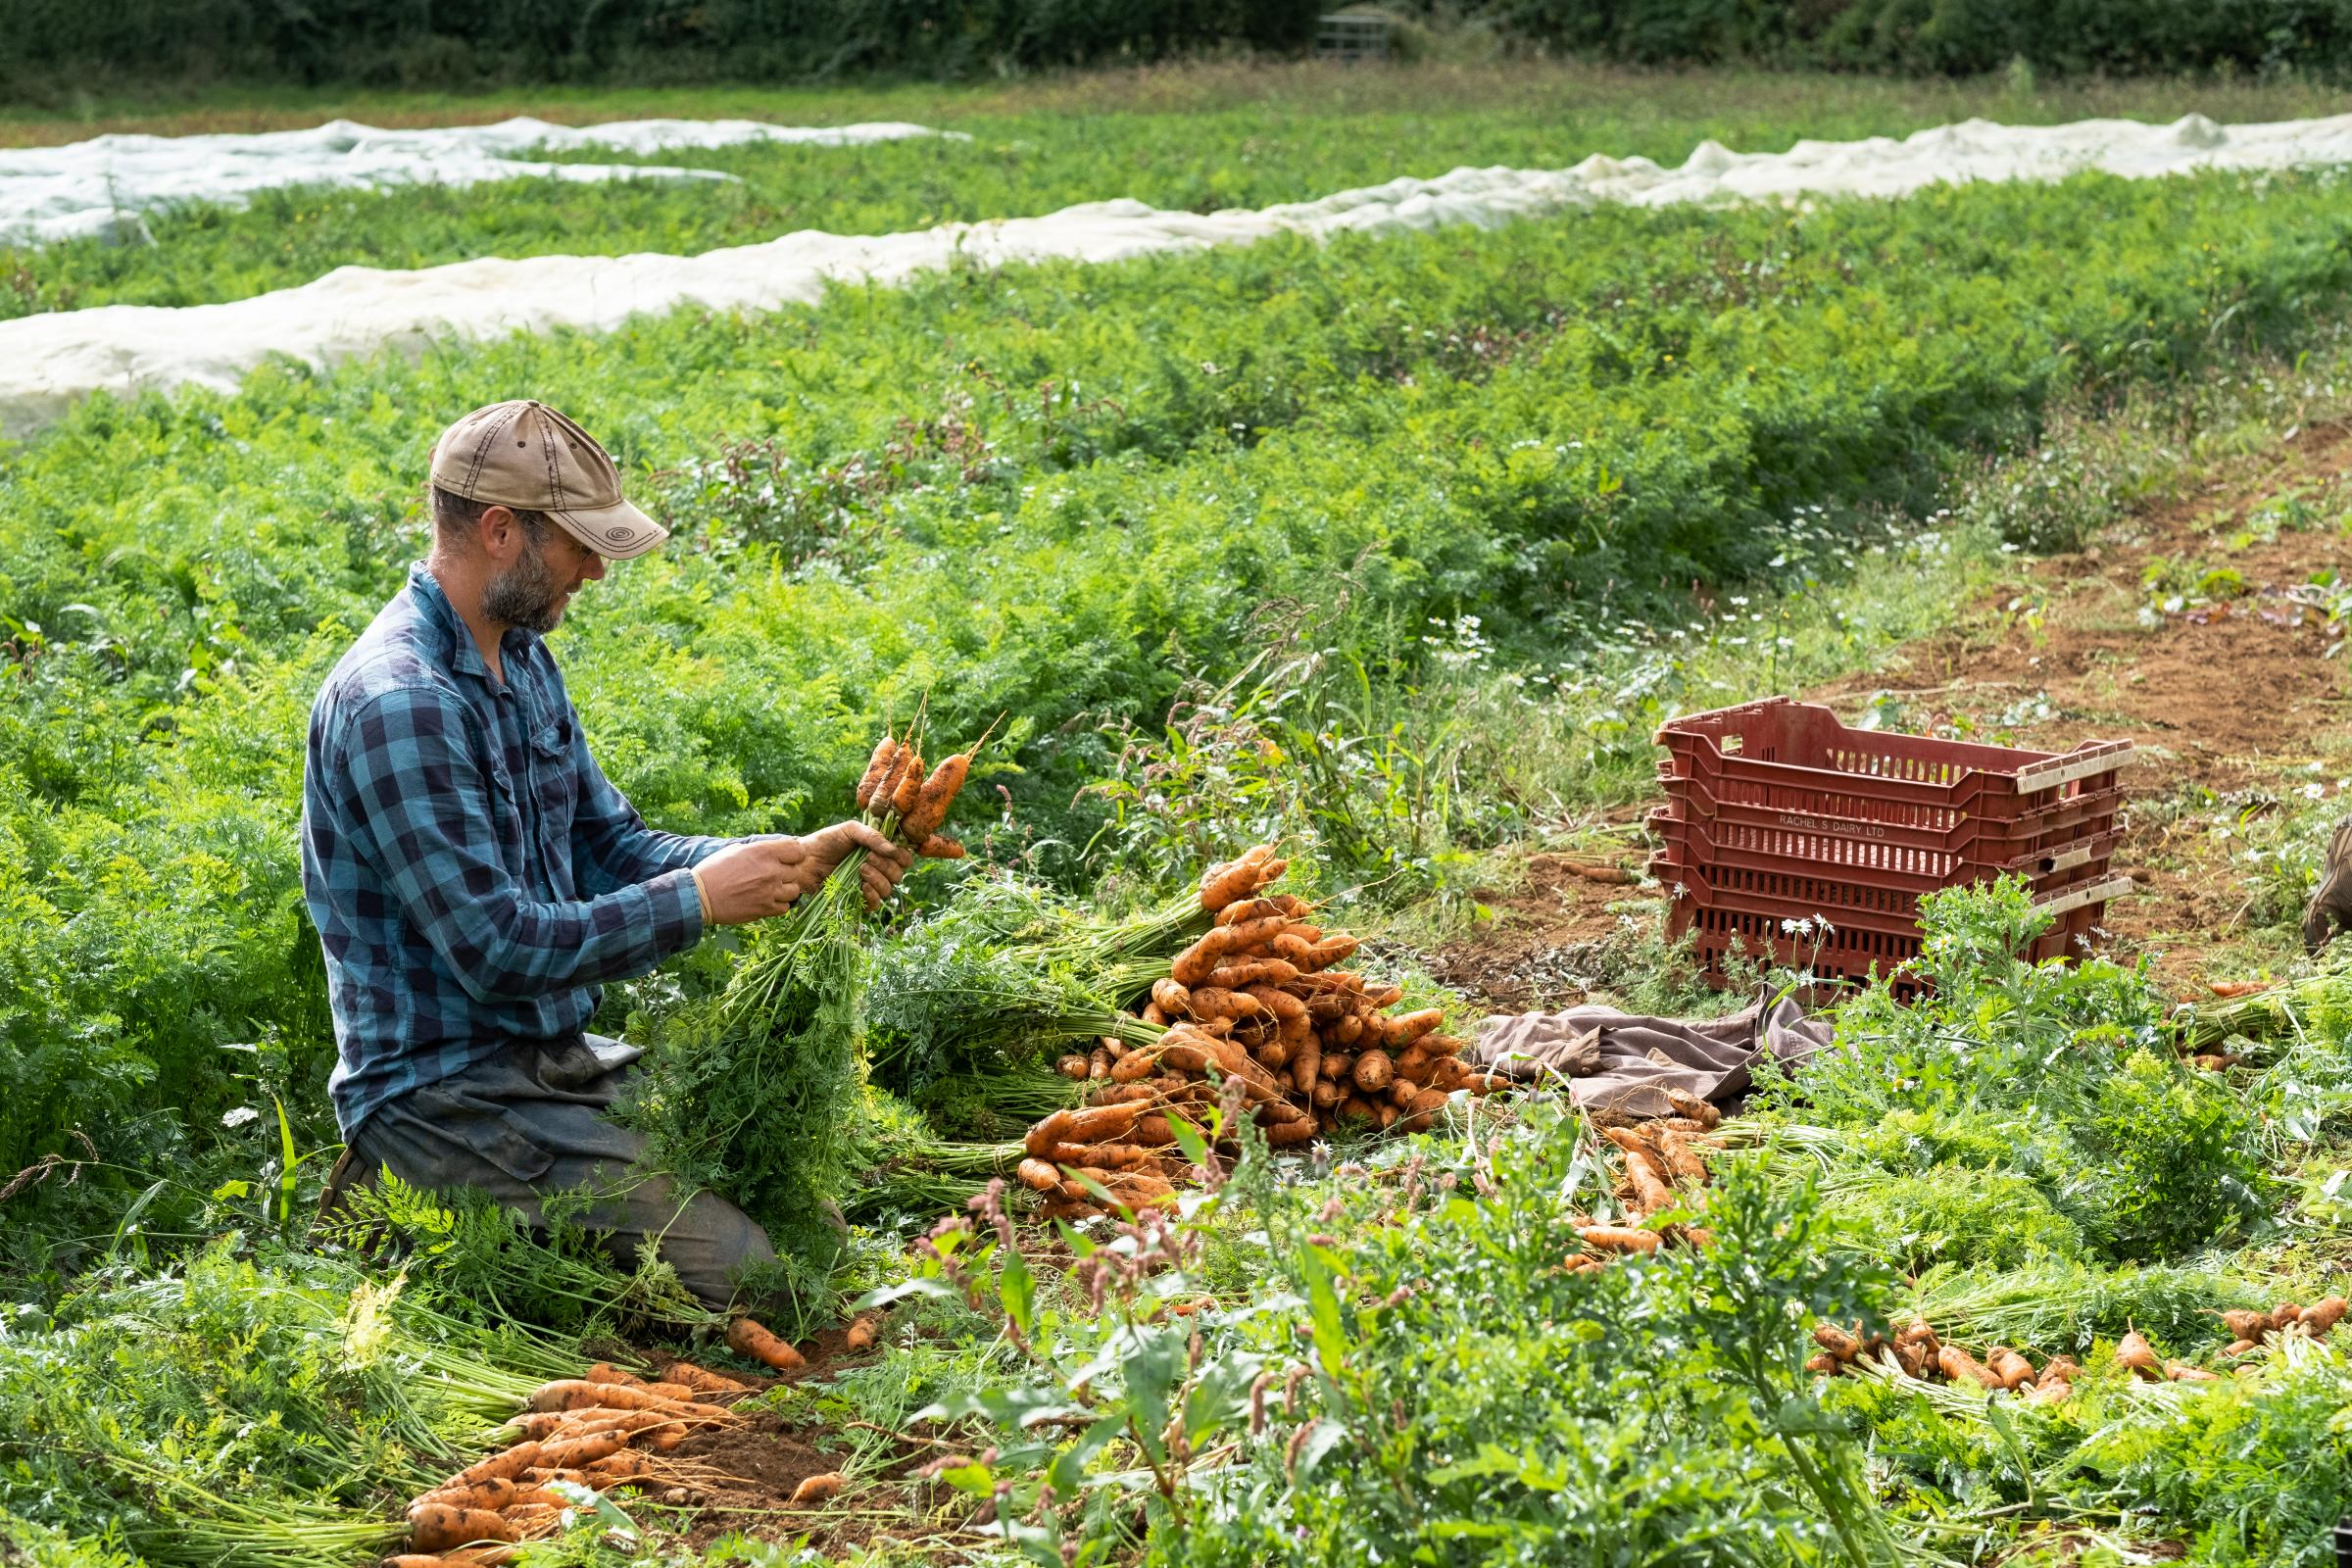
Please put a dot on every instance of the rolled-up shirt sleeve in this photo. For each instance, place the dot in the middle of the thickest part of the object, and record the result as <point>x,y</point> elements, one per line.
<point>425,811</point>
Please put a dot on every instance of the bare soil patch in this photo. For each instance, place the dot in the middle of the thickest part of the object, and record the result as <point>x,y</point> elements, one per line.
<point>2189,630</point>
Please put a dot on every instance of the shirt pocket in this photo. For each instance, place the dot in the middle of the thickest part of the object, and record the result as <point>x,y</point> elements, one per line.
<point>554,784</point>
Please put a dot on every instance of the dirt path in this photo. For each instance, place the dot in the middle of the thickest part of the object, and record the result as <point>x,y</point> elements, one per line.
<point>2190,630</point>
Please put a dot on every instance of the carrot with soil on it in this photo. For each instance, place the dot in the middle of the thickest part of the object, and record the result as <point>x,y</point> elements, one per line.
<point>1619,1238</point>
<point>748,1338</point>
<point>507,1462</point>
<point>877,767</point>
<point>933,797</point>
<point>2134,1352</point>
<point>817,1489</point>
<point>438,1527</point>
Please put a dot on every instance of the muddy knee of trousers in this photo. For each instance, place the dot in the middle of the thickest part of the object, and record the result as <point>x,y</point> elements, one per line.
<point>710,1242</point>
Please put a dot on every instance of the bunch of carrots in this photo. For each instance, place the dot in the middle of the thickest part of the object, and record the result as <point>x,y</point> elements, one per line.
<point>606,1429</point>
<point>1260,999</point>
<point>898,797</point>
<point>1661,1159</point>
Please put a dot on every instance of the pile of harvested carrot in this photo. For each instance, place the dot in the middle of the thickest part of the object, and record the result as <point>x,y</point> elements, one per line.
<point>2249,1330</point>
<point>1919,1354</point>
<point>604,1430</point>
<point>1661,1159</point>
<point>1261,999</point>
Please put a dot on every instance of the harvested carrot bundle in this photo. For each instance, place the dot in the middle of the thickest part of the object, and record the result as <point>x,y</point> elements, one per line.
<point>817,1489</point>
<point>747,1338</point>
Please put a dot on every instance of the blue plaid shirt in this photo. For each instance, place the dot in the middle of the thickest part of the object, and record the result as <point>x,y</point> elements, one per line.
<point>472,873</point>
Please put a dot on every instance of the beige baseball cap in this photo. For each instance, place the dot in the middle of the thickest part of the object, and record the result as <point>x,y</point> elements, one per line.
<point>523,454</point>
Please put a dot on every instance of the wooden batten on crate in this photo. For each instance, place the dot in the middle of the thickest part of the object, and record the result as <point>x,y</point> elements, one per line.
<point>1777,813</point>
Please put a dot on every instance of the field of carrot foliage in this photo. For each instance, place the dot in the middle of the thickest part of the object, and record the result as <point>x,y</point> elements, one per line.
<point>1394,549</point>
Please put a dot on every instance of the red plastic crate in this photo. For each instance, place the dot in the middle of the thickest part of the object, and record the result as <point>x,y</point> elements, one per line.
<point>1778,813</point>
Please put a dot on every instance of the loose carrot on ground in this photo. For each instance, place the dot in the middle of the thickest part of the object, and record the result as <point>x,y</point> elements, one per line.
<point>817,1489</point>
<point>747,1338</point>
<point>860,1335</point>
<point>2323,1315</point>
<point>2134,1352</point>
<point>2244,1324</point>
<point>437,1526</point>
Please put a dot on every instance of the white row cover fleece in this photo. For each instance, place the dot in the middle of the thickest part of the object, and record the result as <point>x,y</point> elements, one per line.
<point>48,362</point>
<point>100,187</point>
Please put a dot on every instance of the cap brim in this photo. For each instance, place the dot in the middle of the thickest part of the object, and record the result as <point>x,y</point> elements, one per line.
<point>617,533</point>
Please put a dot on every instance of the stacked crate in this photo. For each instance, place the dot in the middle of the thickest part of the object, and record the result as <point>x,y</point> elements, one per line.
<point>1798,839</point>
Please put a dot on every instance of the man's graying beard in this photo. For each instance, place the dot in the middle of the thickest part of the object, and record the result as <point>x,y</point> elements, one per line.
<point>526,594</point>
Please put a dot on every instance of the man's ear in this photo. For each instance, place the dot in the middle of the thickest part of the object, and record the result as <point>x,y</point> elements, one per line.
<point>500,532</point>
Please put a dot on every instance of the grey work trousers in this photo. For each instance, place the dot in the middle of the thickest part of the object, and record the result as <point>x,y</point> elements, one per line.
<point>528,1122</point>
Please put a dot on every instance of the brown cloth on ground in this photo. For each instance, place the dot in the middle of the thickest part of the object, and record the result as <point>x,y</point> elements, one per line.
<point>1626,1063</point>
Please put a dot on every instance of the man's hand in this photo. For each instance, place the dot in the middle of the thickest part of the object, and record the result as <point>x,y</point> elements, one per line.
<point>884,862</point>
<point>752,879</point>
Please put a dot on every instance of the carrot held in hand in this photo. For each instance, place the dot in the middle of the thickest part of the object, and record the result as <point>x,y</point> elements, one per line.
<point>886,751</point>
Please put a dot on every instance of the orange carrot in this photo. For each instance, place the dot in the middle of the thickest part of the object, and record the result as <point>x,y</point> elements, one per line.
<point>437,1526</point>
<point>876,767</point>
<point>1038,1176</point>
<point>2323,1315</point>
<point>1225,884</point>
<point>575,1394</point>
<point>1618,1238</point>
<point>2013,1369</point>
<point>934,796</point>
<point>2134,1352</point>
<point>509,1462</point>
<point>860,1335</point>
<point>1958,1366</point>
<point>817,1489</point>
<point>489,1496</point>
<point>1836,1340</point>
<point>903,762</point>
<point>747,1338</point>
<point>570,1453</point>
<point>1373,1070</point>
<point>607,1372</point>
<point>940,847</point>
